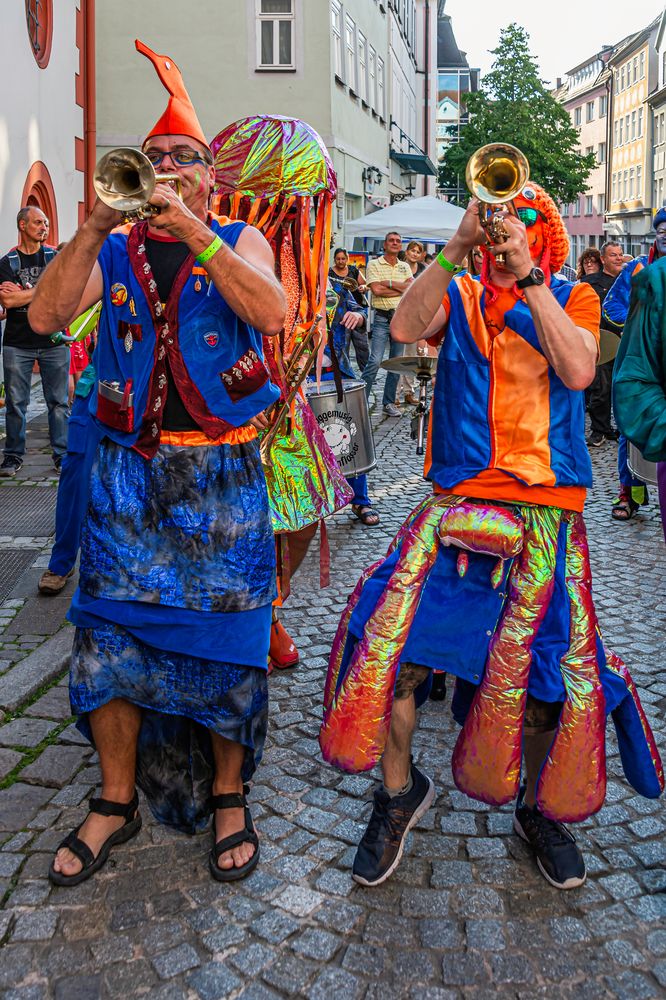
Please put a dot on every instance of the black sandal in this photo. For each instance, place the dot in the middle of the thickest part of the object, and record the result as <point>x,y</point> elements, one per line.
<point>624,508</point>
<point>366,515</point>
<point>233,800</point>
<point>90,863</point>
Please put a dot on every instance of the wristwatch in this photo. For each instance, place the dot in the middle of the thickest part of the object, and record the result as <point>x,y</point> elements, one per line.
<point>535,277</point>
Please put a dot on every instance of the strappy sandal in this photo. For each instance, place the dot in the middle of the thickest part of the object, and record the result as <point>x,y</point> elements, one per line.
<point>233,800</point>
<point>79,849</point>
<point>366,515</point>
<point>624,508</point>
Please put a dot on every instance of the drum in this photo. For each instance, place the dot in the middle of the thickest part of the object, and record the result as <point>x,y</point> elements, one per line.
<point>346,425</point>
<point>640,467</point>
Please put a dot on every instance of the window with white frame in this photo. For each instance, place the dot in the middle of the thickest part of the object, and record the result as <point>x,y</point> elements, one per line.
<point>631,183</point>
<point>564,212</point>
<point>601,203</point>
<point>589,204</point>
<point>616,132</point>
<point>381,88</point>
<point>372,78</point>
<point>603,106</point>
<point>635,69</point>
<point>614,189</point>
<point>621,139</point>
<point>350,53</point>
<point>639,182</point>
<point>275,34</point>
<point>589,111</point>
<point>640,123</point>
<point>336,29</point>
<point>576,207</point>
<point>363,67</point>
<point>625,184</point>
<point>633,124</point>
<point>601,152</point>
<point>642,65</point>
<point>578,114</point>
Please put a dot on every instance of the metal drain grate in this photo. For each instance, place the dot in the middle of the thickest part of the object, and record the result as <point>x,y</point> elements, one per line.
<point>27,510</point>
<point>13,562</point>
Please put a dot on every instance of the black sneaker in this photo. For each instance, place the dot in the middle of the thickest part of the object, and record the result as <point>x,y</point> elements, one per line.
<point>558,858</point>
<point>381,848</point>
<point>596,439</point>
<point>10,466</point>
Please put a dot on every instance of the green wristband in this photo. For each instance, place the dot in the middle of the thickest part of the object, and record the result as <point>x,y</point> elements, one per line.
<point>210,251</point>
<point>447,265</point>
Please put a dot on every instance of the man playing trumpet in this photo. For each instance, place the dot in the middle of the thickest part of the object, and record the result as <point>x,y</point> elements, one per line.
<point>177,578</point>
<point>489,579</point>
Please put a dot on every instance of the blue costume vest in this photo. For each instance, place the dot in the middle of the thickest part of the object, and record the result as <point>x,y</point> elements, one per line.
<point>215,358</point>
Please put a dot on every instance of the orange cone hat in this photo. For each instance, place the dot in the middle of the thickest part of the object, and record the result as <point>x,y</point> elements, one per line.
<point>180,118</point>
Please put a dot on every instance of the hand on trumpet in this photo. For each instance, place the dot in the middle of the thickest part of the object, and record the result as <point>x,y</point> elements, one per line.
<point>470,231</point>
<point>174,216</point>
<point>515,249</point>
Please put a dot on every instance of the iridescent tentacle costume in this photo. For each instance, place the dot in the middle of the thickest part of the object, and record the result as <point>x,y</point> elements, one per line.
<point>527,544</point>
<point>275,174</point>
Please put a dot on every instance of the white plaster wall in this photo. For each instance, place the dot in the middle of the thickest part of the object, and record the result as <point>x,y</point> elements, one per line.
<point>39,117</point>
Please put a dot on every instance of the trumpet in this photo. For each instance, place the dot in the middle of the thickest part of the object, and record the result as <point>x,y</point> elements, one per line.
<point>125,179</point>
<point>496,174</point>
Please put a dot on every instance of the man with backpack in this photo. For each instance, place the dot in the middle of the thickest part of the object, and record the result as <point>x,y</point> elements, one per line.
<point>20,270</point>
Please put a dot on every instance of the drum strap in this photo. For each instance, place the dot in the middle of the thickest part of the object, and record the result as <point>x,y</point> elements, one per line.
<point>335,364</point>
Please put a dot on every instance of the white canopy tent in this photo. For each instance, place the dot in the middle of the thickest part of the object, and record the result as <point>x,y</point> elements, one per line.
<point>427,219</point>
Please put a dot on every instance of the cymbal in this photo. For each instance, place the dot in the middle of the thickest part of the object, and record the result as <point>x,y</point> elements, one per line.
<point>411,365</point>
<point>609,344</point>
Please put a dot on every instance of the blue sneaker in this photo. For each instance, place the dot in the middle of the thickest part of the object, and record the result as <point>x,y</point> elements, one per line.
<point>383,842</point>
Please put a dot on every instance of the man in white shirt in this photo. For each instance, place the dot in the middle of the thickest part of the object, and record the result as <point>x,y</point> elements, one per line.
<point>388,279</point>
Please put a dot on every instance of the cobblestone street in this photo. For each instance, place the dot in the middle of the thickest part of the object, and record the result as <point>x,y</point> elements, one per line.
<point>465,915</point>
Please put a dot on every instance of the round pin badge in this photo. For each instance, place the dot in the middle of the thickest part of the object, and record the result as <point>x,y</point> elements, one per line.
<point>118,294</point>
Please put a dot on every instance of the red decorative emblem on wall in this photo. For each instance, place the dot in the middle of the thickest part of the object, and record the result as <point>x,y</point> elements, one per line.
<point>246,376</point>
<point>39,18</point>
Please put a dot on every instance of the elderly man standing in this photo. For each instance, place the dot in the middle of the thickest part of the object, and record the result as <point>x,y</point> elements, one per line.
<point>388,279</point>
<point>20,271</point>
<point>177,579</point>
<point>600,390</point>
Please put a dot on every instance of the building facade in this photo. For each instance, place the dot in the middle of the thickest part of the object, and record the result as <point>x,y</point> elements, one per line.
<point>45,140</point>
<point>455,80</point>
<point>635,76</point>
<point>328,62</point>
<point>657,113</point>
<point>585,95</point>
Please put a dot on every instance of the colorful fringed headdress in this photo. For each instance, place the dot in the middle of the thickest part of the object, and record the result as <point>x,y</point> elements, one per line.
<point>275,174</point>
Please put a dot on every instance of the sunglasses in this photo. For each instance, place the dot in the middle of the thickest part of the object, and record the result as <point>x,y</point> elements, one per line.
<point>180,157</point>
<point>528,216</point>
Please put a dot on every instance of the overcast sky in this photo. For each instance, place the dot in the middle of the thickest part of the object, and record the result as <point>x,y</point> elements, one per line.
<point>562,34</point>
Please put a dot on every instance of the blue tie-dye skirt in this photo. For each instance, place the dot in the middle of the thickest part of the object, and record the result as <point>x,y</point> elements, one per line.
<point>173,611</point>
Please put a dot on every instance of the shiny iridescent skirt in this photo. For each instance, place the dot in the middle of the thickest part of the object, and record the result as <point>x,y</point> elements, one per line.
<point>500,596</point>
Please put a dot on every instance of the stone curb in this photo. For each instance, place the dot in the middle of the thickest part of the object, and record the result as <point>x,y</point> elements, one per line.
<point>44,664</point>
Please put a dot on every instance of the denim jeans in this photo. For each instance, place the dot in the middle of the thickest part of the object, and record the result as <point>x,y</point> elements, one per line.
<point>381,339</point>
<point>54,371</point>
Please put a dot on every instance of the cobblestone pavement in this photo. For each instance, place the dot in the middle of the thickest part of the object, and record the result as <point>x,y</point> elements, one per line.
<point>465,915</point>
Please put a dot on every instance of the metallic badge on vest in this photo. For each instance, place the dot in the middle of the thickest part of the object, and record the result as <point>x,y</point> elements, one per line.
<point>247,375</point>
<point>212,339</point>
<point>118,294</point>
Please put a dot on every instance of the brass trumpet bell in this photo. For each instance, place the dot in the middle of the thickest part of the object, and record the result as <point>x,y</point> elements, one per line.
<point>125,179</point>
<point>496,174</point>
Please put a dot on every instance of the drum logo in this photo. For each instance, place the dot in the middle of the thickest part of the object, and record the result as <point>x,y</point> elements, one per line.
<point>340,431</point>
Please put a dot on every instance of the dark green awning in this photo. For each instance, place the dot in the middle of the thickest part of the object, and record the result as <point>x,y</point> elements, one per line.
<point>415,163</point>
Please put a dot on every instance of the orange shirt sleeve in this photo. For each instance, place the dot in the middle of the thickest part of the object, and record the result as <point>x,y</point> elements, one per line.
<point>584,308</point>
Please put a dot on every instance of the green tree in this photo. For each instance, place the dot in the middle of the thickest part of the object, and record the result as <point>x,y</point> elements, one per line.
<point>514,106</point>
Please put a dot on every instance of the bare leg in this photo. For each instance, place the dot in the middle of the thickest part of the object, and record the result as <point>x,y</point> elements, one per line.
<point>299,542</point>
<point>535,750</point>
<point>115,728</point>
<point>229,758</point>
<point>396,759</point>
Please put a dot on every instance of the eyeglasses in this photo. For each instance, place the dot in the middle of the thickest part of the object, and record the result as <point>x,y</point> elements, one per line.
<point>528,216</point>
<point>180,157</point>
